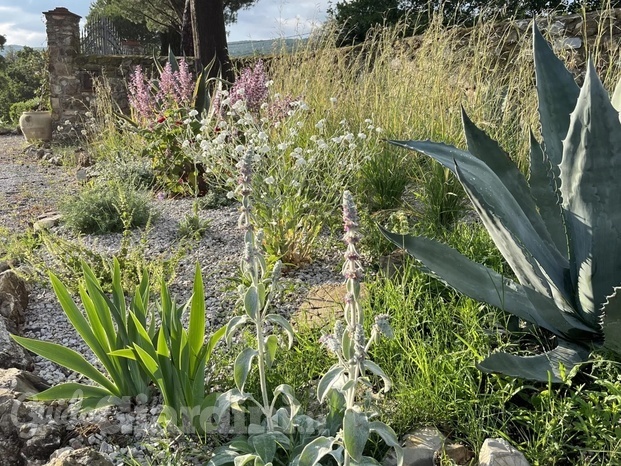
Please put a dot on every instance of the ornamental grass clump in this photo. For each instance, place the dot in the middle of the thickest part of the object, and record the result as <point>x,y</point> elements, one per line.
<point>559,231</point>
<point>345,379</point>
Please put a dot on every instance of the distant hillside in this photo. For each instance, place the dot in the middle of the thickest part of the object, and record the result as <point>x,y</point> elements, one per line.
<point>263,47</point>
<point>16,48</point>
<point>236,49</point>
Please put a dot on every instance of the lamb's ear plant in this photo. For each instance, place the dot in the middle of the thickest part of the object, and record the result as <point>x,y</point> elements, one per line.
<point>105,328</point>
<point>175,357</point>
<point>560,230</point>
<point>273,436</point>
<point>349,375</point>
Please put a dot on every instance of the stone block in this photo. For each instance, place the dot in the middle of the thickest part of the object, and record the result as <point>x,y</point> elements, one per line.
<point>499,452</point>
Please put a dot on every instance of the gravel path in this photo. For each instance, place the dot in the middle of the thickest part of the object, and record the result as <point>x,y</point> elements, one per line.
<point>28,188</point>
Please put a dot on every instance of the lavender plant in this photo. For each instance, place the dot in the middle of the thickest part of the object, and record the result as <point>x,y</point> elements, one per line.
<point>349,344</point>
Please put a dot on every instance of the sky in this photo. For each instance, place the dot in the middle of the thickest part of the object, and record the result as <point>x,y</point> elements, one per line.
<point>22,21</point>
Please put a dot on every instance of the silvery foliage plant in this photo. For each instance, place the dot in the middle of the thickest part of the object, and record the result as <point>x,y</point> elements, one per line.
<point>275,431</point>
<point>345,379</point>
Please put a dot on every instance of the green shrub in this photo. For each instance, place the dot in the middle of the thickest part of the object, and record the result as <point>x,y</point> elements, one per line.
<point>106,208</point>
<point>26,106</point>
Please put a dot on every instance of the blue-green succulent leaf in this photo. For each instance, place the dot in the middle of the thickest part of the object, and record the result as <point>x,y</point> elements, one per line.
<point>611,321</point>
<point>590,187</point>
<point>498,161</point>
<point>513,234</point>
<point>615,100</point>
<point>492,194</point>
<point>557,92</point>
<point>544,187</point>
<point>561,359</point>
<point>484,284</point>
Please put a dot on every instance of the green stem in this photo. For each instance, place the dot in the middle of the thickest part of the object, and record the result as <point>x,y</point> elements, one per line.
<point>267,409</point>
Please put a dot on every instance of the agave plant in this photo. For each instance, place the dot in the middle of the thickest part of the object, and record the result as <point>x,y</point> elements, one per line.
<point>559,231</point>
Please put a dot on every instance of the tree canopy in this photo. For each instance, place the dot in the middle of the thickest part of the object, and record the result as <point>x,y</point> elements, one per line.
<point>140,19</point>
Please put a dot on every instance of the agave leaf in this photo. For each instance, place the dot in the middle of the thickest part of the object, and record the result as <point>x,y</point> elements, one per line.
<point>513,235</point>
<point>492,194</point>
<point>537,367</point>
<point>557,92</point>
<point>484,284</point>
<point>489,152</point>
<point>616,97</point>
<point>611,321</point>
<point>590,187</point>
<point>545,190</point>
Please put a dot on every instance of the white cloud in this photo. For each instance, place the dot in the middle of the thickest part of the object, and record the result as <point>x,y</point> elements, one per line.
<point>23,24</point>
<point>269,19</point>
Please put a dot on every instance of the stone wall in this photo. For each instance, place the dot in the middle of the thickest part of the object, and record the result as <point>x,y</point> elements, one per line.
<point>72,75</point>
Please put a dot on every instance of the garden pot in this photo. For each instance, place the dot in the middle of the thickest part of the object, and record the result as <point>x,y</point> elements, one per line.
<point>36,126</point>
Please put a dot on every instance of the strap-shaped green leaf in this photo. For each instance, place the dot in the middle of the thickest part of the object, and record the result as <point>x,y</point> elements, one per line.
<point>590,186</point>
<point>71,390</point>
<point>544,186</point>
<point>538,367</point>
<point>557,93</point>
<point>77,319</point>
<point>67,358</point>
<point>196,325</point>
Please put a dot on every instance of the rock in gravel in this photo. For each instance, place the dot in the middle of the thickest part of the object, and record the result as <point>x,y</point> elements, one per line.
<point>13,299</point>
<point>47,222</point>
<point>41,440</point>
<point>81,457</point>
<point>11,410</point>
<point>499,452</point>
<point>11,354</point>
<point>420,448</point>
<point>21,382</point>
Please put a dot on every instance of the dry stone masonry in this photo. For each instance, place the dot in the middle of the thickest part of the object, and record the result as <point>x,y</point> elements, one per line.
<point>72,74</point>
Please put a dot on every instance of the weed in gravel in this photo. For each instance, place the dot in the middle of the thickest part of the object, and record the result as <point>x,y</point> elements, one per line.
<point>100,208</point>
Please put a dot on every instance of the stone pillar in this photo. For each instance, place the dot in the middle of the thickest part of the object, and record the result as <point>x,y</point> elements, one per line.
<point>63,45</point>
